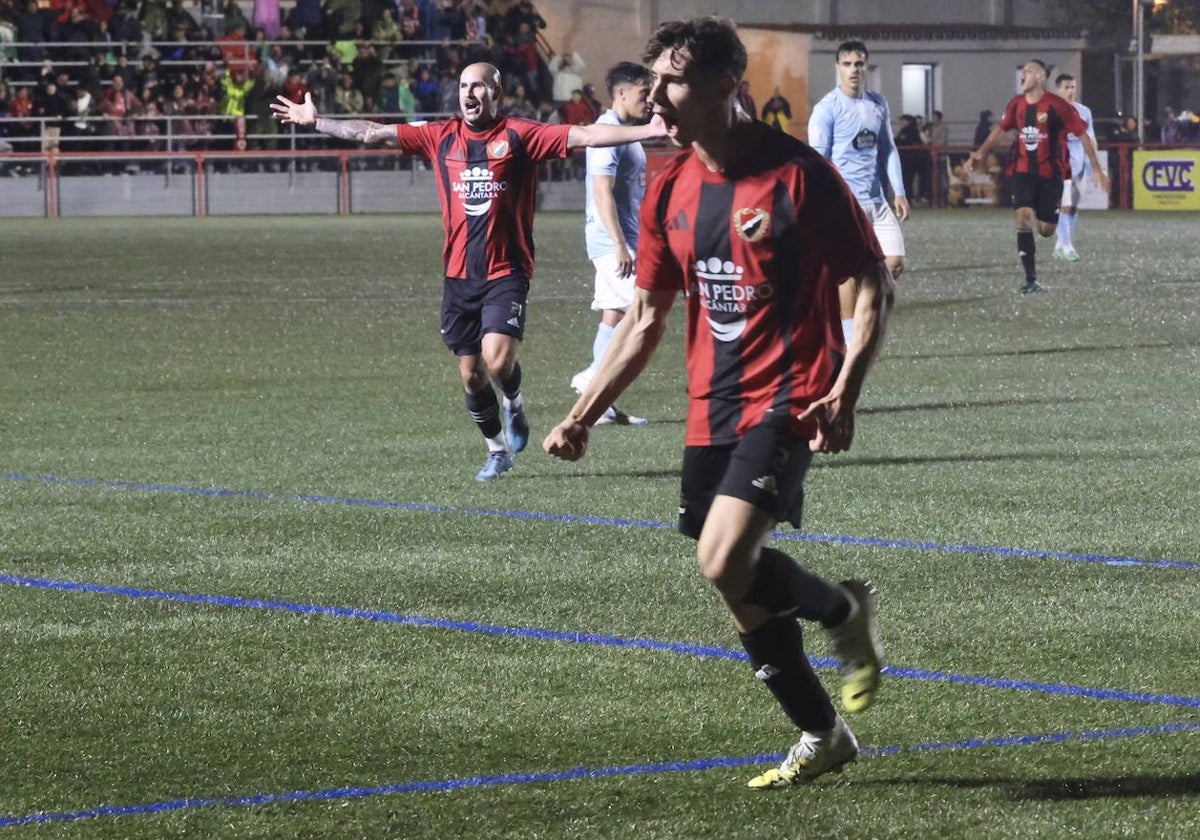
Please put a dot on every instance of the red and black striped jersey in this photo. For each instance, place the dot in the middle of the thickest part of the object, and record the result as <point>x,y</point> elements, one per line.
<point>1042,128</point>
<point>759,251</point>
<point>487,182</point>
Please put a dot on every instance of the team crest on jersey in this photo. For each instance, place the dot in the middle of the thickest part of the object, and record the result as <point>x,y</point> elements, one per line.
<point>865,140</point>
<point>751,223</point>
<point>497,148</point>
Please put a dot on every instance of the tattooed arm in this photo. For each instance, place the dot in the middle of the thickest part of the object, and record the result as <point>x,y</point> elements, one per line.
<point>305,113</point>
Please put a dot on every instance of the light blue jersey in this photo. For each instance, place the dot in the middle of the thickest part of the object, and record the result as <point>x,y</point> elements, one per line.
<point>627,166</point>
<point>1081,167</point>
<point>856,135</point>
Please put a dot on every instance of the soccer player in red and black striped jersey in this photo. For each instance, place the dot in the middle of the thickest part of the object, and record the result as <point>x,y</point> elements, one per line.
<point>1037,166</point>
<point>757,230</point>
<point>486,171</point>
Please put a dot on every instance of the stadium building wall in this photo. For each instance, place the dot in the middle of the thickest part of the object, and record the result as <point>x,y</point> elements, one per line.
<point>970,74</point>
<point>244,193</point>
<point>975,45</point>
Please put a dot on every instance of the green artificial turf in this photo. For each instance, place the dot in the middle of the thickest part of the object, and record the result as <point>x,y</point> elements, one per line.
<point>259,412</point>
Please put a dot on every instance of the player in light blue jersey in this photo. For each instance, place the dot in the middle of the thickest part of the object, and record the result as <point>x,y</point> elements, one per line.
<point>851,126</point>
<point>1081,169</point>
<point>616,182</point>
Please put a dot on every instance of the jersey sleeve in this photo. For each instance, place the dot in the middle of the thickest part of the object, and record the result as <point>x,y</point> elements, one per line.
<point>1071,119</point>
<point>657,268</point>
<point>1086,114</point>
<point>828,211</point>
<point>889,155</point>
<point>820,128</point>
<point>1009,121</point>
<point>417,138</point>
<point>543,141</point>
<point>602,160</point>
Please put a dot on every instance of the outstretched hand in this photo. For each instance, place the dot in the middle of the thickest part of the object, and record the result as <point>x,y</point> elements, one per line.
<point>568,440</point>
<point>287,111</point>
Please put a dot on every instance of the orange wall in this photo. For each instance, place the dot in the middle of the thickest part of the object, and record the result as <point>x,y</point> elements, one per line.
<point>779,60</point>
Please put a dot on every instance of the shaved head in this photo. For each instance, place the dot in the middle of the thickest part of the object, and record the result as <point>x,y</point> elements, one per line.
<point>488,73</point>
<point>479,94</point>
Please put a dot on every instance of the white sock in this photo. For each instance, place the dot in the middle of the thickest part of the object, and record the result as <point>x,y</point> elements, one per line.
<point>847,329</point>
<point>1066,229</point>
<point>497,444</point>
<point>516,403</point>
<point>604,334</point>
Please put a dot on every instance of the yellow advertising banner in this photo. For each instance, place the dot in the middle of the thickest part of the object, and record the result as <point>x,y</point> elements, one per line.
<point>1166,180</point>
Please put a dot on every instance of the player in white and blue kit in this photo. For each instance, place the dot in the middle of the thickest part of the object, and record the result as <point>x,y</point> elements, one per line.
<point>851,126</point>
<point>1081,170</point>
<point>616,182</point>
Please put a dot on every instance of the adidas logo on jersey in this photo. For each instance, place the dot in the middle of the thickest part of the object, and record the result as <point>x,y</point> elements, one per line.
<point>677,222</point>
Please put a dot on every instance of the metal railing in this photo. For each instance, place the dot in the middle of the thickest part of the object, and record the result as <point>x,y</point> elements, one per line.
<point>204,182</point>
<point>164,130</point>
<point>942,178</point>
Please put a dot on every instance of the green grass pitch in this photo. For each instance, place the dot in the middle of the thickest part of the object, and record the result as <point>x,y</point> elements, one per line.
<point>249,588</point>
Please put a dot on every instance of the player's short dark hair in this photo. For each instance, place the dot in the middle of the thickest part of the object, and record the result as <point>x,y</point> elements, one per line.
<point>1063,77</point>
<point>851,47</point>
<point>712,42</point>
<point>625,73</point>
<point>1040,63</point>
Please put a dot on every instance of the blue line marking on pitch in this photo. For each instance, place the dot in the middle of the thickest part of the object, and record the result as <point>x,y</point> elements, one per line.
<point>599,639</point>
<point>575,519</point>
<point>575,773</point>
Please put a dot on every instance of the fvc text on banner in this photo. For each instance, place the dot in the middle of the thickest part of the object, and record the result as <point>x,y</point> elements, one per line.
<point>1166,180</point>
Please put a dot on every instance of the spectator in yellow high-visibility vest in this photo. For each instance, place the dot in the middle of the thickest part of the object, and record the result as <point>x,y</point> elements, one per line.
<point>234,87</point>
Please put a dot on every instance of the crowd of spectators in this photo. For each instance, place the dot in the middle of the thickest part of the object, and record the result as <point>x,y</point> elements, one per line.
<point>103,75</point>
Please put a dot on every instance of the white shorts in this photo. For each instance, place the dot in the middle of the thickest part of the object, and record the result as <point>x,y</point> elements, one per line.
<point>887,229</point>
<point>1070,193</point>
<point>612,292</point>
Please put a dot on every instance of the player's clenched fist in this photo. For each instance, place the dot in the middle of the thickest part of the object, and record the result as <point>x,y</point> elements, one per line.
<point>568,440</point>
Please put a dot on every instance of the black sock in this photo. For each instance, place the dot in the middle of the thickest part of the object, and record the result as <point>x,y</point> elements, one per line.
<point>782,587</point>
<point>1027,249</point>
<point>485,411</point>
<point>512,385</point>
<point>776,651</point>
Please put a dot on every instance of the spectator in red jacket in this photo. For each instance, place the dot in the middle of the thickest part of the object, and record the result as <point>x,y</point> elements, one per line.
<point>577,110</point>
<point>294,87</point>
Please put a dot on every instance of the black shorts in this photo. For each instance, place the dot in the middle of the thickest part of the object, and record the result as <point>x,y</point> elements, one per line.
<point>1044,195</point>
<point>765,468</point>
<point>473,308</point>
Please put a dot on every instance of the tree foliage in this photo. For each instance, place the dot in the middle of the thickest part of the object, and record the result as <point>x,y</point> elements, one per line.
<point>1109,23</point>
